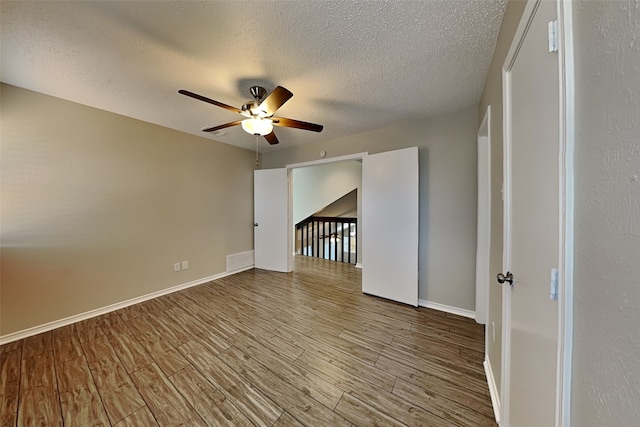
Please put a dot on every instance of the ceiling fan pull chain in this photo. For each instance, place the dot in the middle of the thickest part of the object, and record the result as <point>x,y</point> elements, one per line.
<point>257,137</point>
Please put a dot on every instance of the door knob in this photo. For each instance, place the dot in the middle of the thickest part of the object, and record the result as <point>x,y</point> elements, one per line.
<point>255,224</point>
<point>505,278</point>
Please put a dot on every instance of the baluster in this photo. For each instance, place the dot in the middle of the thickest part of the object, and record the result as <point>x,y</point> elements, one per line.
<point>335,241</point>
<point>342,243</point>
<point>349,245</point>
<point>324,249</point>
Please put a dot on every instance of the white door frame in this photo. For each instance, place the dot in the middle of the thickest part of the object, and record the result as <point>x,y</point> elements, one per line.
<point>565,241</point>
<point>483,245</point>
<point>566,194</point>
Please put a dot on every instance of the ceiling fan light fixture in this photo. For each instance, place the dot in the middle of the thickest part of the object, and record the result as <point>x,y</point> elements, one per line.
<point>256,126</point>
<point>258,113</point>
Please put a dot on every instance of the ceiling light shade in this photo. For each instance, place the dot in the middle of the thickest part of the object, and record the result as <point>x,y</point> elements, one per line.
<point>257,126</point>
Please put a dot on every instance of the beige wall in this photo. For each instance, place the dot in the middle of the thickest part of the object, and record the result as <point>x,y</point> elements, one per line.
<point>606,353</point>
<point>492,95</point>
<point>448,169</point>
<point>96,208</point>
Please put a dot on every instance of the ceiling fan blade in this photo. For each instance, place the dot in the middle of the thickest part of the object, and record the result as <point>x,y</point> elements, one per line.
<point>226,125</point>
<point>290,123</point>
<point>275,100</point>
<point>210,101</point>
<point>271,138</point>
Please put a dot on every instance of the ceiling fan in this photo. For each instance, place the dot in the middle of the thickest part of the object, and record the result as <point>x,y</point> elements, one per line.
<point>259,113</point>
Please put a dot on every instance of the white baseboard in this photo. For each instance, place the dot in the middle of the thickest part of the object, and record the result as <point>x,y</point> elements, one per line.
<point>447,308</point>
<point>493,389</point>
<point>35,330</point>
<point>358,265</point>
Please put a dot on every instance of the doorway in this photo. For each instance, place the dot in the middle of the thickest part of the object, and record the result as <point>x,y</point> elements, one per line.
<point>326,205</point>
<point>390,240</point>
<point>273,214</point>
<point>352,175</point>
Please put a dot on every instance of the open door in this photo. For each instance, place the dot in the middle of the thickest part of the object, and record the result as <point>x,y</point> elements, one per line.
<point>532,224</point>
<point>390,225</point>
<point>270,208</point>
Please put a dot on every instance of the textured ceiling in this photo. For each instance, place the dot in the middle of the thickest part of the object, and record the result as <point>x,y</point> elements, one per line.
<point>352,65</point>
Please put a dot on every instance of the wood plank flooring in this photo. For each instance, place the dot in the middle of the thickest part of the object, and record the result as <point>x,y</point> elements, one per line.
<point>256,348</point>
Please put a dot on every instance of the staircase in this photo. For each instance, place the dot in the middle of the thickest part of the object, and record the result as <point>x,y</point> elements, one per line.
<point>332,232</point>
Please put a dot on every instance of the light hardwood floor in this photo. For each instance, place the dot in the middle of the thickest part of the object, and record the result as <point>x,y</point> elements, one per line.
<point>256,348</point>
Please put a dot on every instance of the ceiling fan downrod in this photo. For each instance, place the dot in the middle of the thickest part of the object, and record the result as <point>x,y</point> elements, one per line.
<point>258,92</point>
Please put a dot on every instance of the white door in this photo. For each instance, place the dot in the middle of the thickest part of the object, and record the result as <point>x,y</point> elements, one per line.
<point>390,225</point>
<point>531,223</point>
<point>270,208</point>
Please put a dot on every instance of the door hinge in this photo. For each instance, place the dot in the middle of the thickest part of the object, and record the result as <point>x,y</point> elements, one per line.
<point>553,36</point>
<point>553,288</point>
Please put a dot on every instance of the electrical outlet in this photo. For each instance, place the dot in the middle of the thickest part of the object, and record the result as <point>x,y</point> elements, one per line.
<point>493,330</point>
<point>185,265</point>
<point>176,266</point>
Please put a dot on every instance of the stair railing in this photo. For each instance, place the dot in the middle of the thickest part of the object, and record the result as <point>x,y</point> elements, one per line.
<point>331,238</point>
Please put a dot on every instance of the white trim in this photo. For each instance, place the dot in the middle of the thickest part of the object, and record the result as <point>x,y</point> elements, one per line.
<point>483,222</point>
<point>359,265</point>
<point>291,235</point>
<point>447,308</point>
<point>493,389</point>
<point>356,156</point>
<point>35,330</point>
<point>567,144</point>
